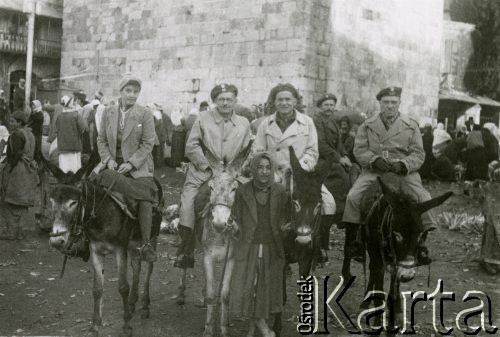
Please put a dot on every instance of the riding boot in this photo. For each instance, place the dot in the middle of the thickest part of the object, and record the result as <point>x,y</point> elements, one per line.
<point>145,220</point>
<point>185,252</point>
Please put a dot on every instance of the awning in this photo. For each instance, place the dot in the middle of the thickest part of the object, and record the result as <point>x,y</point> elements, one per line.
<point>456,95</point>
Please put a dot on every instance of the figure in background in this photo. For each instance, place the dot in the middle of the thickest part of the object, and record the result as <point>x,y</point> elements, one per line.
<point>178,138</point>
<point>347,135</point>
<point>19,95</point>
<point>188,122</point>
<point>477,163</point>
<point>35,122</point>
<point>4,111</point>
<point>69,127</point>
<point>161,134</point>
<point>427,141</point>
<point>18,177</point>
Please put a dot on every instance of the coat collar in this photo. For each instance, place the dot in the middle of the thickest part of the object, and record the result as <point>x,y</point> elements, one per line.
<point>401,123</point>
<point>130,121</point>
<point>218,118</point>
<point>292,130</point>
<point>299,117</point>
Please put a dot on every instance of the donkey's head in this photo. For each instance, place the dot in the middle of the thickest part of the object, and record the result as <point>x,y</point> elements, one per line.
<point>306,197</point>
<point>64,203</point>
<point>223,187</point>
<point>64,200</point>
<point>403,228</point>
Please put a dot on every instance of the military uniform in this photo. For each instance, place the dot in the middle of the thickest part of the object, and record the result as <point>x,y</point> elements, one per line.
<point>400,141</point>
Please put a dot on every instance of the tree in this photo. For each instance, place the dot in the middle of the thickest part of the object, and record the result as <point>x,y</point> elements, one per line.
<point>482,76</point>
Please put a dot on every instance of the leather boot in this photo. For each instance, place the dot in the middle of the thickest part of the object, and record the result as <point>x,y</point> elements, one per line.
<point>147,250</point>
<point>357,247</point>
<point>185,252</point>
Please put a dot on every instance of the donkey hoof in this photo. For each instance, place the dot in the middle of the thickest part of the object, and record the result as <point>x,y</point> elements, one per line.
<point>145,313</point>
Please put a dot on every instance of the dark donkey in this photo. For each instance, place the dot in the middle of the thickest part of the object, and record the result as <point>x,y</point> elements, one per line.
<point>393,236</point>
<point>302,245</point>
<point>90,209</point>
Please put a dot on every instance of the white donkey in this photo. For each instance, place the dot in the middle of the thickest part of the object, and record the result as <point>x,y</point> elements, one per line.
<point>217,237</point>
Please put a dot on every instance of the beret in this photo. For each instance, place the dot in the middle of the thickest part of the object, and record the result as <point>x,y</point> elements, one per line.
<point>224,87</point>
<point>391,91</point>
<point>326,98</point>
<point>127,79</point>
<point>21,115</point>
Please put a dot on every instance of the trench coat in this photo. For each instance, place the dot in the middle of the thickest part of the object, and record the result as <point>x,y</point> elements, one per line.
<point>401,142</point>
<point>301,135</point>
<point>330,147</point>
<point>19,183</point>
<point>137,140</point>
<point>245,253</point>
<point>224,141</point>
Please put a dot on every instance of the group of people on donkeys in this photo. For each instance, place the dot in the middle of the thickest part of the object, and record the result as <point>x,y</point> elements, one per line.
<point>387,142</point>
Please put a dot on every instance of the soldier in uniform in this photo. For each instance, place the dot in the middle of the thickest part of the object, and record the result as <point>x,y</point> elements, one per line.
<point>388,142</point>
<point>225,135</point>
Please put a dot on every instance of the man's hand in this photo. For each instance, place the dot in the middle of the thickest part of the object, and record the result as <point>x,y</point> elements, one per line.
<point>344,161</point>
<point>381,164</point>
<point>112,165</point>
<point>125,168</point>
<point>399,168</point>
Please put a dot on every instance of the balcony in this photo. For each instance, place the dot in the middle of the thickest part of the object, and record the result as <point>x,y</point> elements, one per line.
<point>17,44</point>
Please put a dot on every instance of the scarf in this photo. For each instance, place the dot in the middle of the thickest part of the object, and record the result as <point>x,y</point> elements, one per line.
<point>261,190</point>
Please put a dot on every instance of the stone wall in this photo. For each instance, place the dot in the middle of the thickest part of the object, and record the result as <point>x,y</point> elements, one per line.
<point>384,43</point>
<point>182,48</point>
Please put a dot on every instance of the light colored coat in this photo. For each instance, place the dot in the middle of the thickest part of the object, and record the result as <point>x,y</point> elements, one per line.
<point>301,135</point>
<point>224,141</point>
<point>402,142</point>
<point>137,140</point>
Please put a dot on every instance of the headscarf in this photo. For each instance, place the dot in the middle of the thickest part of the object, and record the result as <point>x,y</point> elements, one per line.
<point>262,190</point>
<point>37,105</point>
<point>493,130</point>
<point>440,135</point>
<point>176,117</point>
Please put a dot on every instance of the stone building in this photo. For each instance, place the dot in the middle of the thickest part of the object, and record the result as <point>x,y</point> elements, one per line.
<point>47,46</point>
<point>182,48</point>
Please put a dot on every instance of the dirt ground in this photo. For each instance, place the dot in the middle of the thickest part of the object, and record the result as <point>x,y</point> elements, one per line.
<point>34,301</point>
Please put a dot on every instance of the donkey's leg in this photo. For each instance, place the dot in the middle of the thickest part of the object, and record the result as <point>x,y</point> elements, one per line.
<point>181,295</point>
<point>145,297</point>
<point>350,237</point>
<point>208,263</point>
<point>98,266</point>
<point>123,288</point>
<point>226,284</point>
<point>135,263</point>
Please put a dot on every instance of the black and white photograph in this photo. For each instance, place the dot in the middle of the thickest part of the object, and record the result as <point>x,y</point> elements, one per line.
<point>230,168</point>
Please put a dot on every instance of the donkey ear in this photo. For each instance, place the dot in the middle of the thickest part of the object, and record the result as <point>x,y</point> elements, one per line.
<point>429,204</point>
<point>294,161</point>
<point>387,191</point>
<point>56,171</point>
<point>238,161</point>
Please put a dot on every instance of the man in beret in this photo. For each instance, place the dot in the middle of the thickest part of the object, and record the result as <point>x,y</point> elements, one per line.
<point>218,135</point>
<point>331,148</point>
<point>388,142</point>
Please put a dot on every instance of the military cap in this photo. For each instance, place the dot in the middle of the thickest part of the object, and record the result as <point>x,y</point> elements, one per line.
<point>326,98</point>
<point>127,79</point>
<point>224,87</point>
<point>391,91</point>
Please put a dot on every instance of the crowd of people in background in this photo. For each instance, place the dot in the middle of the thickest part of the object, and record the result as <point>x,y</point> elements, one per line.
<point>460,155</point>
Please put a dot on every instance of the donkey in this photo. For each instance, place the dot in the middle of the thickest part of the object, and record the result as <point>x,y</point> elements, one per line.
<point>393,235</point>
<point>217,229</point>
<point>302,244</point>
<point>91,210</point>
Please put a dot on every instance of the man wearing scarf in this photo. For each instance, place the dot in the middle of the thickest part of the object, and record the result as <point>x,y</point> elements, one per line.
<point>388,142</point>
